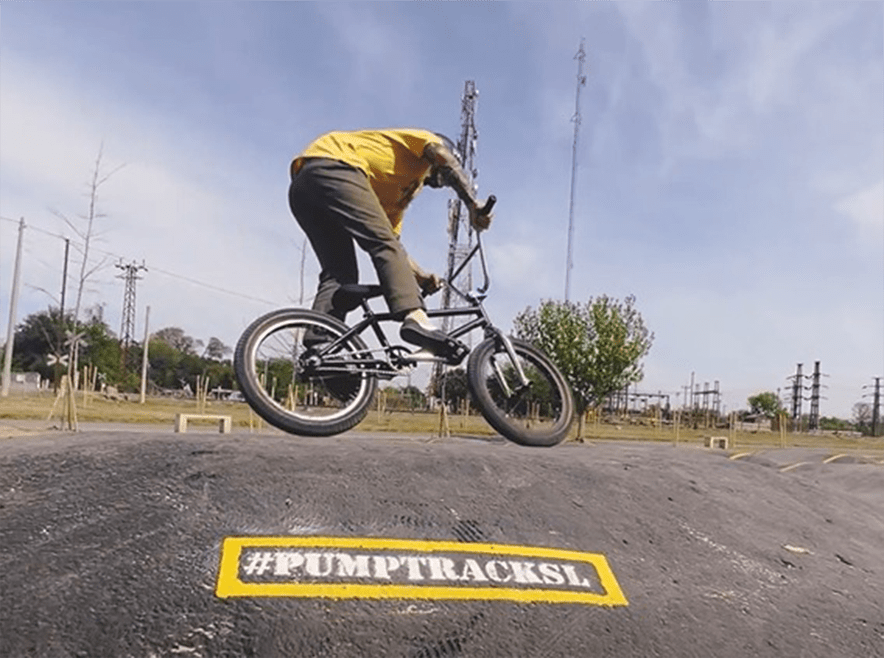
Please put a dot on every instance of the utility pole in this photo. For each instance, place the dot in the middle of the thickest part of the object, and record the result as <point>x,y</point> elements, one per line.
<point>144,356</point>
<point>13,304</point>
<point>581,81</point>
<point>876,406</point>
<point>130,275</point>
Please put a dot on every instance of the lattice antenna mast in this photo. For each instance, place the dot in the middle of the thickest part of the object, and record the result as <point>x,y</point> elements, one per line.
<point>130,276</point>
<point>460,232</point>
<point>581,81</point>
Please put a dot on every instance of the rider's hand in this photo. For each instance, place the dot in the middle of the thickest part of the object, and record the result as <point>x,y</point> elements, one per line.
<point>428,282</point>
<point>480,220</point>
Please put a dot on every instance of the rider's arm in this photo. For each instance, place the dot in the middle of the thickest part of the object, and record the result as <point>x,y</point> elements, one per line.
<point>452,173</point>
<point>427,281</point>
<point>454,177</point>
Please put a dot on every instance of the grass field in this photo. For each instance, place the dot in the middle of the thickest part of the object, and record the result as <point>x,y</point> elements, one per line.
<point>161,411</point>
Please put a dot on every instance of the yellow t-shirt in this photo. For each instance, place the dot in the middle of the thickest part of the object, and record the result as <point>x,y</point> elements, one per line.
<point>392,160</point>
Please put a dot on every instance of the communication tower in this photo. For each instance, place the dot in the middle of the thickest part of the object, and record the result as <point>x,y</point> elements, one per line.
<point>460,232</point>
<point>581,81</point>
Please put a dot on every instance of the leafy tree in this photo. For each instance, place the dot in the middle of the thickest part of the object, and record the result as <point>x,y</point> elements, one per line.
<point>216,350</point>
<point>101,349</point>
<point>765,404</point>
<point>598,345</point>
<point>177,339</point>
<point>453,382</point>
<point>37,338</point>
<point>835,424</point>
<point>171,367</point>
<point>406,397</point>
<point>41,338</point>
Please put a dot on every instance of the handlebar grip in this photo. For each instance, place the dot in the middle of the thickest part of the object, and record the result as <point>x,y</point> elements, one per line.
<point>484,210</point>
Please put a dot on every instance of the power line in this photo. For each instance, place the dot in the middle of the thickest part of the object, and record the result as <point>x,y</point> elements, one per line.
<point>156,269</point>
<point>210,286</point>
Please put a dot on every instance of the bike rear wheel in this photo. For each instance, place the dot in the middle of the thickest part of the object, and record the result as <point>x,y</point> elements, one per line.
<point>539,414</point>
<point>293,389</point>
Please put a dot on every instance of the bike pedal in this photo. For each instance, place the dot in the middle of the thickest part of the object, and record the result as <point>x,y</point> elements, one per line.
<point>457,352</point>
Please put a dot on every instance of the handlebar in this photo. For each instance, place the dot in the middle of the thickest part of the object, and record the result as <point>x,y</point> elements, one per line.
<point>481,290</point>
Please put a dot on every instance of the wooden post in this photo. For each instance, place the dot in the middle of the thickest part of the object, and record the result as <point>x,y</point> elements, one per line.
<point>144,359</point>
<point>733,433</point>
<point>444,429</point>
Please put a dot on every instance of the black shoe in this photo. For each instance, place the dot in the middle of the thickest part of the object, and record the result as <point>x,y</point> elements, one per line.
<point>315,338</point>
<point>434,341</point>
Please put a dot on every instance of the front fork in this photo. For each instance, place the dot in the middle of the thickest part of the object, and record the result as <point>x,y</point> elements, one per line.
<point>511,352</point>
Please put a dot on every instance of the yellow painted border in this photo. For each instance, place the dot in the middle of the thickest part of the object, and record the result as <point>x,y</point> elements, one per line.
<point>229,584</point>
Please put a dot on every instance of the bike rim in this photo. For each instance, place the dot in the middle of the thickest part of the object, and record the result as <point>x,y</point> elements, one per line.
<point>537,409</point>
<point>276,355</point>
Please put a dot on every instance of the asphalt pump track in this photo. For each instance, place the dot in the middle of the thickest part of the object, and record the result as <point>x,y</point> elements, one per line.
<point>149,543</point>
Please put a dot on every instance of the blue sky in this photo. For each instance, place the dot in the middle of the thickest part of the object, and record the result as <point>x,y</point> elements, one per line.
<point>731,162</point>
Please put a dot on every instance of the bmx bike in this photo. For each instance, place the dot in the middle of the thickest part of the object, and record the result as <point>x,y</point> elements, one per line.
<point>322,388</point>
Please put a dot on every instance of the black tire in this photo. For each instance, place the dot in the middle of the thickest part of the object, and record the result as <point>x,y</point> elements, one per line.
<point>285,389</point>
<point>540,414</point>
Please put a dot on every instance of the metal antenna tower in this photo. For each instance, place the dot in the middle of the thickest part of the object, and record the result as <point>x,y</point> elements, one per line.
<point>460,232</point>
<point>130,275</point>
<point>581,81</point>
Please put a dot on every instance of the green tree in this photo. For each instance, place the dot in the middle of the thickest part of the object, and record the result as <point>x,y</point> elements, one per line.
<point>765,404</point>
<point>176,338</point>
<point>171,367</point>
<point>216,350</point>
<point>406,398</point>
<point>453,383</point>
<point>39,339</point>
<point>100,349</point>
<point>598,346</point>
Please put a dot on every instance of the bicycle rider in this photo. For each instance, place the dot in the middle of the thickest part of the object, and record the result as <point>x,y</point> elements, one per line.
<point>353,188</point>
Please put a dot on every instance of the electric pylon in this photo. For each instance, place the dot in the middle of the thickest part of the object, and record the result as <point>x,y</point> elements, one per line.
<point>797,395</point>
<point>130,275</point>
<point>813,422</point>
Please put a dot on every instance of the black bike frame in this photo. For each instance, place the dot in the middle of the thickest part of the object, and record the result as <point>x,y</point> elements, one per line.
<point>389,367</point>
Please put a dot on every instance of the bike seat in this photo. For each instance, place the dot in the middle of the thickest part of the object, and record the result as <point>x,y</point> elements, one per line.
<point>350,295</point>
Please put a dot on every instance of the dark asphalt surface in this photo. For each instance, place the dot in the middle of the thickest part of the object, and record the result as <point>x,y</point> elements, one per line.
<point>110,543</point>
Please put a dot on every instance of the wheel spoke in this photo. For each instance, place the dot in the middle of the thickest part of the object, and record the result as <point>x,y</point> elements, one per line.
<point>291,385</point>
<point>536,410</point>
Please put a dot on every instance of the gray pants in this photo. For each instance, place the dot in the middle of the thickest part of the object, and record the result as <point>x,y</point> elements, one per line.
<point>336,207</point>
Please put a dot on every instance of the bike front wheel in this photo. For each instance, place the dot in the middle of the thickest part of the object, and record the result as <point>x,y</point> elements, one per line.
<point>295,377</point>
<point>537,411</point>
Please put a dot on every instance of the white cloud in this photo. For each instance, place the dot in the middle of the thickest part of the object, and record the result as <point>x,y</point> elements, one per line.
<point>865,209</point>
<point>768,63</point>
<point>197,213</point>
